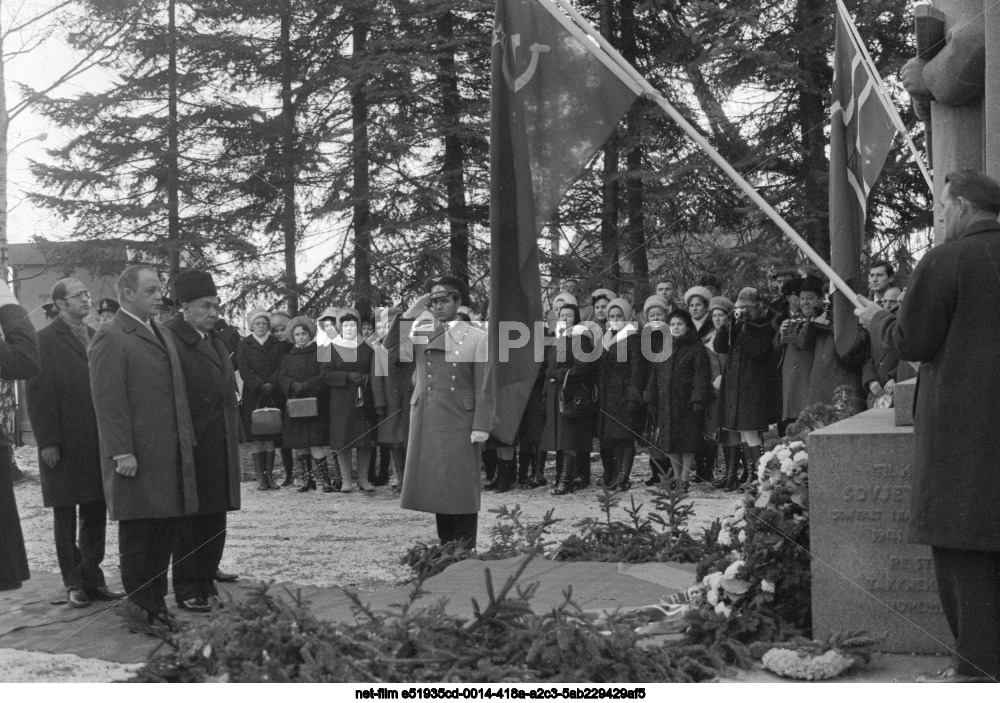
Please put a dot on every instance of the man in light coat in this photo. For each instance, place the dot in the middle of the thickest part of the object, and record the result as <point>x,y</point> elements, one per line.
<point>448,415</point>
<point>146,440</point>
<point>61,409</point>
<point>951,324</point>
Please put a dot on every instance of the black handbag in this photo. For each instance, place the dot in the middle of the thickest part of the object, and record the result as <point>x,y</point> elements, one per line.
<point>576,400</point>
<point>651,432</point>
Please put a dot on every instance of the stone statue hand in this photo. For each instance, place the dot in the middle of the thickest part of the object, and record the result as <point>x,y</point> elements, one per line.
<point>921,108</point>
<point>912,75</point>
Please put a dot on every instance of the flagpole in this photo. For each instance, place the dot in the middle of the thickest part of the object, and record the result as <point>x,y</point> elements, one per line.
<point>883,95</point>
<point>594,36</point>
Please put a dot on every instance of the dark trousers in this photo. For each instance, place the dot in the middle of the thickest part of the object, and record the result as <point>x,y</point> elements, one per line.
<point>458,528</point>
<point>969,588</point>
<point>197,552</point>
<point>80,557</point>
<point>144,547</point>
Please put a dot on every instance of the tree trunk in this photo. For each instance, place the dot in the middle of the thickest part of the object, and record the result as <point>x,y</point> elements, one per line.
<point>454,150</point>
<point>288,208</point>
<point>635,232</point>
<point>812,61</point>
<point>361,221</point>
<point>611,274</point>
<point>173,151</point>
<point>8,402</point>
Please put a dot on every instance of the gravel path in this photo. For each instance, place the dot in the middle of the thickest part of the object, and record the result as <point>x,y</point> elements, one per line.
<point>354,539</point>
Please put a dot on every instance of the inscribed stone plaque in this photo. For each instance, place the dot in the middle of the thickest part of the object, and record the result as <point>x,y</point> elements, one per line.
<point>865,576</point>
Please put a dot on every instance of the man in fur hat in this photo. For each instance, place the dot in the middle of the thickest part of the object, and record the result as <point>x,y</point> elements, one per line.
<point>215,418</point>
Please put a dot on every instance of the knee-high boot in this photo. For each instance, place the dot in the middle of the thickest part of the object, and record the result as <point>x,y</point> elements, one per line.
<point>525,453</point>
<point>537,479</point>
<point>565,476</point>
<point>490,464</point>
<point>626,457</point>
<point>259,462</point>
<point>344,463</point>
<point>608,463</point>
<point>287,463</point>
<point>289,474</point>
<point>728,480</point>
<point>324,475</point>
<point>308,482</point>
<point>506,473</point>
<point>399,463</point>
<point>751,456</point>
<point>582,470</point>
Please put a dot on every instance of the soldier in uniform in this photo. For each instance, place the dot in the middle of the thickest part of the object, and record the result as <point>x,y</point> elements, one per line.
<point>448,416</point>
<point>106,310</point>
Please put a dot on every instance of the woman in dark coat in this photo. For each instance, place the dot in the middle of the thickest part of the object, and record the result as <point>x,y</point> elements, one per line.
<point>747,400</point>
<point>300,376</point>
<point>352,405</point>
<point>258,357</point>
<point>392,390</point>
<point>620,413</point>
<point>655,336</point>
<point>568,437</point>
<point>18,359</point>
<point>679,390</point>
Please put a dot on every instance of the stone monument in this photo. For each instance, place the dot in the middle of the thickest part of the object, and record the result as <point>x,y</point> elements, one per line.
<point>864,573</point>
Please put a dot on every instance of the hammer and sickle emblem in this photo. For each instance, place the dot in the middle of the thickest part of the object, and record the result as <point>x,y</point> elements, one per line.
<point>517,83</point>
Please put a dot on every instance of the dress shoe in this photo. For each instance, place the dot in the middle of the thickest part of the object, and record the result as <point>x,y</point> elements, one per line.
<point>164,621</point>
<point>223,577</point>
<point>950,675</point>
<point>195,605</point>
<point>78,598</point>
<point>104,593</point>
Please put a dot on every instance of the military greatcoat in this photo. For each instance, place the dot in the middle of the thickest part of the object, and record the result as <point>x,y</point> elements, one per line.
<point>442,464</point>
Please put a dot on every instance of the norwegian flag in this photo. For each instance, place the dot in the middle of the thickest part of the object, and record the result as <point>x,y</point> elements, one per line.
<point>863,127</point>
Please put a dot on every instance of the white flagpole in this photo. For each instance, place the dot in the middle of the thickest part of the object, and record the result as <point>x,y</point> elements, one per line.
<point>883,95</point>
<point>582,25</point>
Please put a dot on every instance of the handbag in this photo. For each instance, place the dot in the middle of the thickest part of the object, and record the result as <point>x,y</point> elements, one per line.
<point>264,421</point>
<point>302,407</point>
<point>651,433</point>
<point>576,401</point>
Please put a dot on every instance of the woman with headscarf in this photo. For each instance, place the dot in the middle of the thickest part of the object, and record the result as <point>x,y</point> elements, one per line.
<point>619,402</point>
<point>352,405</point>
<point>678,389</point>
<point>655,310</point>
<point>567,436</point>
<point>258,356</point>
<point>299,376</point>
<point>747,398</point>
<point>720,310</point>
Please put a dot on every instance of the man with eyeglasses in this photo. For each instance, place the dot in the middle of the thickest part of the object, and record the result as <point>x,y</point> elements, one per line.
<point>62,415</point>
<point>448,417</point>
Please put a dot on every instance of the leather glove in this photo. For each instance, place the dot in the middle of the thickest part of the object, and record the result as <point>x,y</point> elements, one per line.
<point>380,411</point>
<point>357,377</point>
<point>266,388</point>
<point>698,407</point>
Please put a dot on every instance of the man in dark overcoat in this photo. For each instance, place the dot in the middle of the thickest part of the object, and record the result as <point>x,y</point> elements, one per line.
<point>215,419</point>
<point>18,360</point>
<point>61,409</point>
<point>951,324</point>
<point>392,388</point>
<point>448,416</point>
<point>147,442</point>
